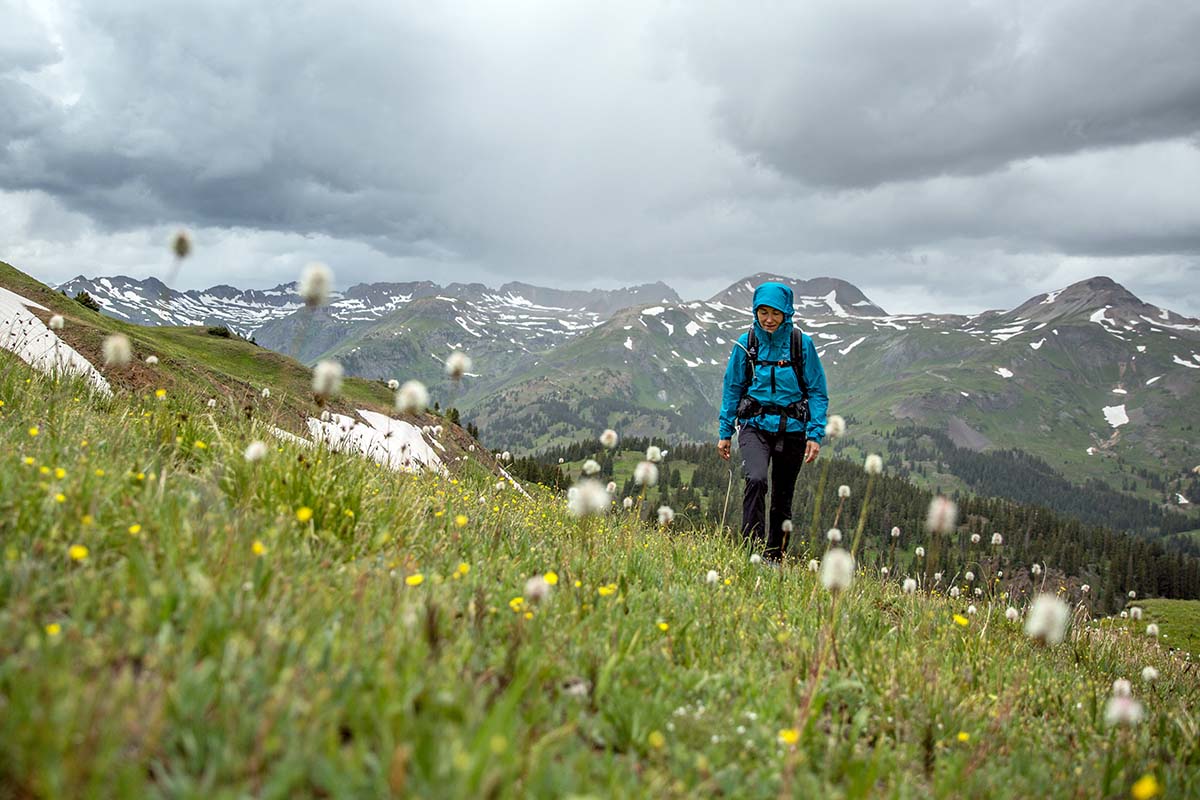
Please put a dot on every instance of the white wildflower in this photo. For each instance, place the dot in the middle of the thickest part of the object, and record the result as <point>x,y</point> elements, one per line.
<point>1135,612</point>
<point>1149,674</point>
<point>316,281</point>
<point>975,538</point>
<point>1122,711</point>
<point>978,592</point>
<point>843,491</point>
<point>755,558</point>
<point>834,535</point>
<point>970,576</point>
<point>895,532</point>
<point>116,349</point>
<point>883,571</point>
<point>256,451</point>
<point>787,526</point>
<point>591,467</point>
<point>608,439</point>
<point>627,503</point>
<point>152,360</point>
<point>1132,594</point>
<point>458,364</point>
<point>920,551</point>
<point>712,576</point>
<point>997,539</point>
<point>1152,629</point>
<point>57,322</point>
<point>942,515</point>
<point>536,589</point>
<point>971,610</point>
<point>654,454</point>
<point>1047,620</point>
<point>327,378</point>
<point>265,393</point>
<point>1122,688</point>
<point>937,576</point>
<point>646,473</point>
<point>393,384</point>
<point>589,497</point>
<point>955,591</point>
<point>1085,588</point>
<point>910,585</point>
<point>873,465</point>
<point>560,460</point>
<point>1036,570</point>
<point>835,427</point>
<point>611,488</point>
<point>412,398</point>
<point>1124,615</point>
<point>837,570</point>
<point>814,565</point>
<point>507,456</point>
<point>212,402</point>
<point>666,515</point>
<point>1011,614</point>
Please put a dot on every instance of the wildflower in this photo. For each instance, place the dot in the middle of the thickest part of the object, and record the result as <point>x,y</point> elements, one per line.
<point>1122,711</point>
<point>814,565</point>
<point>978,592</point>
<point>608,439</point>
<point>181,244</point>
<point>834,535</point>
<point>60,498</point>
<point>1135,612</point>
<point>1036,570</point>
<point>970,576</point>
<point>955,591</point>
<point>1047,620</point>
<point>1011,614</point>
<point>1122,688</point>
<point>873,465</point>
<point>412,398</point>
<point>551,578</point>
<point>589,498</point>
<point>975,538</point>
<point>971,611</point>
<point>837,570</point>
<point>77,552</point>
<point>591,467</point>
<point>506,456</point>
<point>606,590</point>
<point>961,621</point>
<point>627,503</point>
<point>536,589</point>
<point>463,569</point>
<point>160,394</point>
<point>646,473</point>
<point>57,322</point>
<point>1152,629</point>
<point>895,532</point>
<point>53,629</point>
<point>415,579</point>
<point>259,548</point>
<point>942,515</point>
<point>460,520</point>
<point>560,460</point>
<point>656,740</point>
<point>654,454</point>
<point>116,350</point>
<point>135,529</point>
<point>835,427</point>
<point>1149,674</point>
<point>755,558</point>
<point>666,515</point>
<point>611,487</point>
<point>964,737</point>
<point>937,576</point>
<point>1124,615</point>
<point>1132,594</point>
<point>843,491</point>
<point>304,514</point>
<point>212,402</point>
<point>1146,787</point>
<point>316,281</point>
<point>458,364</point>
<point>199,444</point>
<point>920,551</point>
<point>712,576</point>
<point>883,571</point>
<point>663,626</point>
<point>1085,588</point>
<point>910,585</point>
<point>327,378</point>
<point>789,736</point>
<point>256,451</point>
<point>787,526</point>
<point>266,393</point>
<point>393,384</point>
<point>152,360</point>
<point>997,539</point>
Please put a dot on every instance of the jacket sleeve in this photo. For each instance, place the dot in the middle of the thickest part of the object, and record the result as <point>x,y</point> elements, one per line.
<point>818,397</point>
<point>734,388</point>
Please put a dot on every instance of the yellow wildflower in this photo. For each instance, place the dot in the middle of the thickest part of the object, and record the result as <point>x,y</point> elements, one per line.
<point>28,461</point>
<point>60,498</point>
<point>99,473</point>
<point>77,552</point>
<point>963,736</point>
<point>789,736</point>
<point>959,619</point>
<point>160,393</point>
<point>662,626</point>
<point>44,470</point>
<point>199,445</point>
<point>460,520</point>
<point>551,578</point>
<point>304,513</point>
<point>60,473</point>
<point>463,568</point>
<point>53,629</point>
<point>1146,787</point>
<point>87,519</point>
<point>259,548</point>
<point>656,740</point>
<point>135,529</point>
<point>33,430</point>
<point>415,579</point>
<point>517,603</point>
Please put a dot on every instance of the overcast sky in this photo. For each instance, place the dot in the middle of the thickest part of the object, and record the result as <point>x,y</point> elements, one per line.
<point>943,156</point>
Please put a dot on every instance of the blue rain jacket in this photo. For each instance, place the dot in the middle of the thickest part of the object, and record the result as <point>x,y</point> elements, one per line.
<point>774,347</point>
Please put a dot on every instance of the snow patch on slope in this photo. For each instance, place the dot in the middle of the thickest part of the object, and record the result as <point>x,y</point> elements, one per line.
<point>23,334</point>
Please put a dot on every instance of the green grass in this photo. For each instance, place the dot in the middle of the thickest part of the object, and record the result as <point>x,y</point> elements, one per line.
<point>176,659</point>
<point>1178,622</point>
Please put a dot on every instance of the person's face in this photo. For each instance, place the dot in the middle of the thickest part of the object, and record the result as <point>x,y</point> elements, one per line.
<point>769,318</point>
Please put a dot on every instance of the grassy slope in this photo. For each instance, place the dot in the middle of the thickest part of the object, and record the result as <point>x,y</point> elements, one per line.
<point>175,659</point>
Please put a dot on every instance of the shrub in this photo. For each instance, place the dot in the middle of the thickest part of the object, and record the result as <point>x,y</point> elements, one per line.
<point>87,301</point>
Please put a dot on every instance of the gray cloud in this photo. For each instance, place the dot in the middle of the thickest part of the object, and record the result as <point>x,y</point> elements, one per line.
<point>892,145</point>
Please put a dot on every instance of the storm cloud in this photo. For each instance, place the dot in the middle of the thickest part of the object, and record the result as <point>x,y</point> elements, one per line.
<point>896,145</point>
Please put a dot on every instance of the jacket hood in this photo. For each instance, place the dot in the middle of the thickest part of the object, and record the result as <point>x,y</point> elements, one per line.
<point>777,296</point>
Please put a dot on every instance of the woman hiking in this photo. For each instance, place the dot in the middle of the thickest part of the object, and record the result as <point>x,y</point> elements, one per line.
<point>775,396</point>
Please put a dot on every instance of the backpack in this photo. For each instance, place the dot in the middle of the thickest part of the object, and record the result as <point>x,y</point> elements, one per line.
<point>796,362</point>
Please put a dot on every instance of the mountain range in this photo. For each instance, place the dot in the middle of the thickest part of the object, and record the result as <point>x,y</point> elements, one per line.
<point>1090,378</point>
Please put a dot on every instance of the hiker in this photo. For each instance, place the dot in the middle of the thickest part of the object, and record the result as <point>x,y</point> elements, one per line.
<point>775,396</point>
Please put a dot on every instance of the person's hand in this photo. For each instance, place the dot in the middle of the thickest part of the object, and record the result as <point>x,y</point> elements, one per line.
<point>811,449</point>
<point>723,448</point>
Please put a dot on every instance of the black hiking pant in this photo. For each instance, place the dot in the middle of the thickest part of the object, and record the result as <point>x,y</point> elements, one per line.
<point>758,454</point>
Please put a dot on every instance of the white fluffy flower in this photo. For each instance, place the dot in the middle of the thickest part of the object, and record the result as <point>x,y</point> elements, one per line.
<point>152,360</point>
<point>412,397</point>
<point>212,402</point>
<point>712,576</point>
<point>843,491</point>
<point>873,464</point>
<point>1036,570</point>
<point>1085,588</point>
<point>536,589</point>
<point>608,438</point>
<point>910,585</point>
<point>316,281</point>
<point>1122,710</point>
<point>920,551</point>
<point>1152,629</point>
<point>787,526</point>
<point>1124,615</point>
<point>1011,614</point>
<point>1122,688</point>
<point>327,378</point>
<point>978,592</point>
<point>835,426</point>
<point>646,473</point>
<point>265,393</point>
<point>654,454</point>
<point>942,515</point>
<point>666,515</point>
<point>588,497</point>
<point>1135,612</point>
<point>116,349</point>
<point>955,591</point>
<point>256,451</point>
<point>1149,674</point>
<point>393,384</point>
<point>1132,594</point>
<point>970,576</point>
<point>997,539</point>
<point>834,535</point>
<point>57,322</point>
<point>814,565</point>
<point>975,538</point>
<point>883,571</point>
<point>1047,619</point>
<point>591,466</point>
<point>611,488</point>
<point>837,570</point>
<point>895,532</point>
<point>937,576</point>
<point>627,503</point>
<point>971,610</point>
<point>755,558</point>
<point>458,364</point>
<point>507,456</point>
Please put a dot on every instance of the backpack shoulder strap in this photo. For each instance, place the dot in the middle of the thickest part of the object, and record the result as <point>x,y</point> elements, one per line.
<point>751,355</point>
<point>798,359</point>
